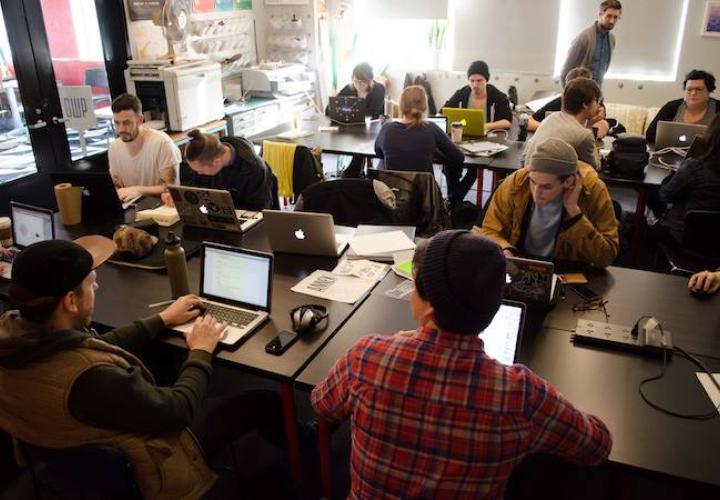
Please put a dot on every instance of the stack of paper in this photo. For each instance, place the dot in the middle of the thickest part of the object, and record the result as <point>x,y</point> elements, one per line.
<point>164,215</point>
<point>379,246</point>
<point>331,286</point>
<point>482,148</point>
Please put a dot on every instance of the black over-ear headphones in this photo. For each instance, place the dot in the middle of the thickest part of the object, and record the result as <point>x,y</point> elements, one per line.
<point>305,318</point>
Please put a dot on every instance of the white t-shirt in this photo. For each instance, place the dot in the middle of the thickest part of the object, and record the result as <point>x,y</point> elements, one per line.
<point>157,153</point>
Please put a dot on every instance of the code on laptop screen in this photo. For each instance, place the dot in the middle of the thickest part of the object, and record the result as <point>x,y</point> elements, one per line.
<point>501,337</point>
<point>236,276</point>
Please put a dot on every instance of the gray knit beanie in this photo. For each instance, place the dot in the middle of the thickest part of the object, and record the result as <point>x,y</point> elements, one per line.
<point>463,276</point>
<point>479,68</point>
<point>554,156</point>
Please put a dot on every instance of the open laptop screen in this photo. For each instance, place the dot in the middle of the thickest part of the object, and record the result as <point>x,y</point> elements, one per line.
<point>236,276</point>
<point>31,226</point>
<point>440,121</point>
<point>502,337</point>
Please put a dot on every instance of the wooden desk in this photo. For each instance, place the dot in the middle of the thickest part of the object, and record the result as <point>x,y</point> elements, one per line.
<point>598,381</point>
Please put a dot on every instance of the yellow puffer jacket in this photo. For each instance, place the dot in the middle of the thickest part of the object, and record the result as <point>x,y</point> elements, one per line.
<point>593,238</point>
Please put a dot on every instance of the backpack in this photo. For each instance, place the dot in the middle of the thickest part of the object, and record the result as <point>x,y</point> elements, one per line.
<point>629,156</point>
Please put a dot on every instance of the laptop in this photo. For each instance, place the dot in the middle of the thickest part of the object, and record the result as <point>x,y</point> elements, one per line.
<point>99,196</point>
<point>305,233</point>
<point>211,209</point>
<point>503,337</point>
<point>531,281</point>
<point>677,134</point>
<point>474,120</point>
<point>441,121</point>
<point>235,286</point>
<point>347,109</point>
<point>29,225</point>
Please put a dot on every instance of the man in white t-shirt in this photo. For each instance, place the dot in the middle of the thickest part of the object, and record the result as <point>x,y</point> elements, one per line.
<point>142,161</point>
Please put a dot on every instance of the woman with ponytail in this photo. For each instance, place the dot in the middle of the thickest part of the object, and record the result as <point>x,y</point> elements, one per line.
<point>413,143</point>
<point>230,163</point>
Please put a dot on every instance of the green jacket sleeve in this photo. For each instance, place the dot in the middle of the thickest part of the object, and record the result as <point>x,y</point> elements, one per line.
<point>111,397</point>
<point>134,336</point>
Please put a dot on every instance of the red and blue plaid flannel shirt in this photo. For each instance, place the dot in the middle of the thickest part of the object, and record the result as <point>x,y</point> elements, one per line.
<point>434,417</point>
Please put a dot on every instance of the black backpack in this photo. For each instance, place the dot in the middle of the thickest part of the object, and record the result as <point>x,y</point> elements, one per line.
<point>629,155</point>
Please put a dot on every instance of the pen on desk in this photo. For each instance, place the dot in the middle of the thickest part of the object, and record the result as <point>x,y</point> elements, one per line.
<point>160,304</point>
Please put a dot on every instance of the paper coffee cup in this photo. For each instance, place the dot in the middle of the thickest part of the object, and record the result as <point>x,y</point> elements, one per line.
<point>69,202</point>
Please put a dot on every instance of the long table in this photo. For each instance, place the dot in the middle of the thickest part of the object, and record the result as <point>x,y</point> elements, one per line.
<point>125,293</point>
<point>598,381</point>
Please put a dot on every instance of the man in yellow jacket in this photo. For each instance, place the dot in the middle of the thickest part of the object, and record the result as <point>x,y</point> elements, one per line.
<point>556,207</point>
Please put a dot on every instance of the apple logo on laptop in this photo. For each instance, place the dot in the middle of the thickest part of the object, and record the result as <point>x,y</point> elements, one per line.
<point>203,209</point>
<point>300,234</point>
<point>508,278</point>
<point>683,138</point>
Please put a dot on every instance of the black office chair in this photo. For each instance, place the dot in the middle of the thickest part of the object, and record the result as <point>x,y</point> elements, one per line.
<point>350,201</point>
<point>700,246</point>
<point>90,471</point>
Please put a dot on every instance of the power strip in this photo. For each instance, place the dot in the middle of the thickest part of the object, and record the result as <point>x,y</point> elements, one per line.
<point>620,337</point>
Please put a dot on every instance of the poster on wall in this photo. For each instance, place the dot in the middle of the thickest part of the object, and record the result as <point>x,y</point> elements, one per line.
<point>144,10</point>
<point>711,24</point>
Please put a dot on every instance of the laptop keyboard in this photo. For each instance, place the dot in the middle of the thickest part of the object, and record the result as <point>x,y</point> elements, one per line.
<point>10,257</point>
<point>234,317</point>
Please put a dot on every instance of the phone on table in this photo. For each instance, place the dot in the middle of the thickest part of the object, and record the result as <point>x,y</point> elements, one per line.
<point>586,293</point>
<point>281,342</point>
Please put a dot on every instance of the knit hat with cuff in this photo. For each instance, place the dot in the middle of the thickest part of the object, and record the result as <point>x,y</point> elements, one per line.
<point>463,277</point>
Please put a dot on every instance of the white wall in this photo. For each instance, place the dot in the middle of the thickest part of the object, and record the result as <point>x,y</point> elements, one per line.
<point>697,52</point>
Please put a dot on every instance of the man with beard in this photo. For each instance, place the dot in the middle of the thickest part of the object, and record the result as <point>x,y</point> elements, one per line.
<point>594,46</point>
<point>142,161</point>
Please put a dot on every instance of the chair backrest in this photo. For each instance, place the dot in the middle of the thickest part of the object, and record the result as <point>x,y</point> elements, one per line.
<point>631,116</point>
<point>701,234</point>
<point>419,200</point>
<point>349,201</point>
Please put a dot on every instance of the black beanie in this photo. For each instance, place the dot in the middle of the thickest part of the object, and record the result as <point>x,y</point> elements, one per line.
<point>479,68</point>
<point>463,277</point>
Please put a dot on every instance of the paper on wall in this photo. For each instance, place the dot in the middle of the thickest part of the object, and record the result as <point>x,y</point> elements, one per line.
<point>326,285</point>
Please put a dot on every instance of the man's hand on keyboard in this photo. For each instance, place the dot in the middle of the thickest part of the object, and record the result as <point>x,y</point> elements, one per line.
<point>205,334</point>
<point>181,311</point>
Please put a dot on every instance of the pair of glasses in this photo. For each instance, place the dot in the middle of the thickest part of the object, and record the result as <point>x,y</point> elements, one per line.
<point>695,91</point>
<point>592,305</point>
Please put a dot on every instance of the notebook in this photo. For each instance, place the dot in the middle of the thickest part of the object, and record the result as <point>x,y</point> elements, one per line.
<point>677,134</point>
<point>305,233</point>
<point>386,255</point>
<point>502,338</point>
<point>530,281</point>
<point>211,209</point>
<point>346,109</point>
<point>235,286</point>
<point>474,120</point>
<point>29,225</point>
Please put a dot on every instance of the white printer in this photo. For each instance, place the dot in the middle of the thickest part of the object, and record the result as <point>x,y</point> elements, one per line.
<point>277,79</point>
<point>184,95</point>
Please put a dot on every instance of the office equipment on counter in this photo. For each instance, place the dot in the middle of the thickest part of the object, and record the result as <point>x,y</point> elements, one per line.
<point>184,95</point>
<point>277,79</point>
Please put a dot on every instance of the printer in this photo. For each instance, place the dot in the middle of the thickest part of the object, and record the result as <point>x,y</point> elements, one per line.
<point>277,80</point>
<point>183,95</point>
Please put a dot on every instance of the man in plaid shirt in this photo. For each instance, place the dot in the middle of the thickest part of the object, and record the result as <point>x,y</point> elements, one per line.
<point>432,415</point>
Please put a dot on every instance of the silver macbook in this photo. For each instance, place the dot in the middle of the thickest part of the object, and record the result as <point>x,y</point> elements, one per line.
<point>29,225</point>
<point>211,209</point>
<point>236,286</point>
<point>306,233</point>
<point>503,337</point>
<point>677,134</point>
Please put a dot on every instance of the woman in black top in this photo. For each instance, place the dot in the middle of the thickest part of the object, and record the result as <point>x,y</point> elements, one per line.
<point>231,164</point>
<point>363,85</point>
<point>479,94</point>
<point>414,144</point>
<point>696,107</point>
<point>695,186</point>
